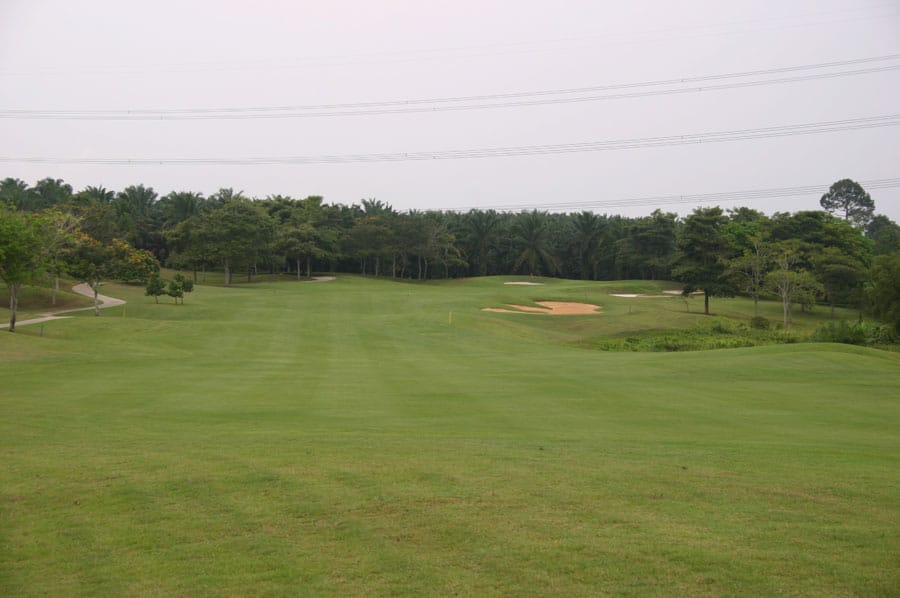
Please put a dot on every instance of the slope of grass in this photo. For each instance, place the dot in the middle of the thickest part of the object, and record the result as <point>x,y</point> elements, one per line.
<point>363,436</point>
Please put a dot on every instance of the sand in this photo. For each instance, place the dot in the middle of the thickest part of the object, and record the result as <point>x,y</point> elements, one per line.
<point>550,308</point>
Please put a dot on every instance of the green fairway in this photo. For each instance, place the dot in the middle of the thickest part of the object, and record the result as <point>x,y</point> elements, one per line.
<point>364,436</point>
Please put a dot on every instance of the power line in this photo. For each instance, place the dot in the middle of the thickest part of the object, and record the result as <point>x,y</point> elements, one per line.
<point>661,200</point>
<point>456,103</point>
<point>869,122</point>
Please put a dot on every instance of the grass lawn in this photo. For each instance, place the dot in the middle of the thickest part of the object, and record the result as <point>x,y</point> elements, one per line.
<point>364,436</point>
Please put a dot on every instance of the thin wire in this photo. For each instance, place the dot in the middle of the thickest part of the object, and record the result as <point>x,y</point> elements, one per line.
<point>421,104</point>
<point>869,122</point>
<point>659,200</point>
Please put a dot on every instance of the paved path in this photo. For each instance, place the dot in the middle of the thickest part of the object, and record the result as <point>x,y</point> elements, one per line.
<point>81,289</point>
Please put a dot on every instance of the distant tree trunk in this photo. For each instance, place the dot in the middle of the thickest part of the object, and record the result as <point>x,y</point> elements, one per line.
<point>419,258</point>
<point>298,268</point>
<point>394,267</point>
<point>55,290</point>
<point>755,305</point>
<point>308,267</point>
<point>194,272</point>
<point>95,285</point>
<point>227,274</point>
<point>705,302</point>
<point>377,266</point>
<point>13,305</point>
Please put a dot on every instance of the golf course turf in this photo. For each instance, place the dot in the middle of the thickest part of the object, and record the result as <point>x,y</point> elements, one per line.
<point>365,436</point>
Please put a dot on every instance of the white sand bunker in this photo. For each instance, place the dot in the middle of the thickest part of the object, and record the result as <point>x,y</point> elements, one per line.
<point>549,308</point>
<point>525,284</point>
<point>639,296</point>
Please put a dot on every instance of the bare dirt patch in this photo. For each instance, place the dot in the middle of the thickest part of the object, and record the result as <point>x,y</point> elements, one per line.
<point>525,284</point>
<point>550,308</point>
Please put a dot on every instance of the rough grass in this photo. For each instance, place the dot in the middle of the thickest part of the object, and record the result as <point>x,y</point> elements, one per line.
<point>347,438</point>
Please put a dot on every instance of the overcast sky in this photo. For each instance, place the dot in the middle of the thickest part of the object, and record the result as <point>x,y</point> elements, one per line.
<point>94,58</point>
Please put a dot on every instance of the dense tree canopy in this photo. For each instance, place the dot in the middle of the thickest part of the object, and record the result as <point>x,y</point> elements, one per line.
<point>801,257</point>
<point>848,199</point>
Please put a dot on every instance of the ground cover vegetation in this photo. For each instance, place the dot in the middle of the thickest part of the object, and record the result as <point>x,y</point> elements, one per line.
<point>376,436</point>
<point>845,255</point>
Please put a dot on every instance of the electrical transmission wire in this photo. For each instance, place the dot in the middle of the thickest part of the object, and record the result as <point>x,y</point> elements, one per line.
<point>473,102</point>
<point>869,122</point>
<point>662,200</point>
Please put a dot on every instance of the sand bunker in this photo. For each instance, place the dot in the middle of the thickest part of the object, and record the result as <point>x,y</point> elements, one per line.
<point>525,284</point>
<point>638,296</point>
<point>549,308</point>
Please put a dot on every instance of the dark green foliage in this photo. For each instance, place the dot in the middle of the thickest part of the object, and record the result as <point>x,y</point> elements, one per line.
<point>885,235</point>
<point>718,334</point>
<point>702,254</point>
<point>848,199</point>
<point>717,253</point>
<point>884,292</point>
<point>178,286</point>
<point>155,287</point>
<point>531,233</point>
<point>853,333</point>
<point>22,253</point>
<point>759,323</point>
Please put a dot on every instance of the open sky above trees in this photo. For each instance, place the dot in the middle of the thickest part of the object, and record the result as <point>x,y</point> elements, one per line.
<point>103,61</point>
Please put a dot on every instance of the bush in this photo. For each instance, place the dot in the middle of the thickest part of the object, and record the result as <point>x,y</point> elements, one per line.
<point>759,323</point>
<point>857,333</point>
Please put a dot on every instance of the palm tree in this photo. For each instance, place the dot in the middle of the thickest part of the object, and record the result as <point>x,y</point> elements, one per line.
<point>178,206</point>
<point>482,229</point>
<point>94,195</point>
<point>588,229</point>
<point>532,234</point>
<point>14,192</point>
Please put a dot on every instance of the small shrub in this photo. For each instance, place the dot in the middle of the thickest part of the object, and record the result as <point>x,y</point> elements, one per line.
<point>759,323</point>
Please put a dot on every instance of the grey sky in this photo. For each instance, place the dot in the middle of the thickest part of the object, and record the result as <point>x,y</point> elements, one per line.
<point>113,55</point>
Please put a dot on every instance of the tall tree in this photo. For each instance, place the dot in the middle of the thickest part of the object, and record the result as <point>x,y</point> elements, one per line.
<point>788,281</point>
<point>482,228</point>
<point>885,235</point>
<point>702,255</point>
<point>140,217</point>
<point>93,262</point>
<point>14,193</point>
<point>236,233</point>
<point>47,193</point>
<point>60,230</point>
<point>749,270</point>
<point>96,195</point>
<point>839,273</point>
<point>848,199</point>
<point>21,253</point>
<point>588,231</point>
<point>532,237</point>
<point>885,290</point>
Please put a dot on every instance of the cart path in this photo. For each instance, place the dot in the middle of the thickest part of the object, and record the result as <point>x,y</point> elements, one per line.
<point>81,289</point>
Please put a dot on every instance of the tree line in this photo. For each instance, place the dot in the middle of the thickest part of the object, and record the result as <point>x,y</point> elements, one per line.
<point>844,254</point>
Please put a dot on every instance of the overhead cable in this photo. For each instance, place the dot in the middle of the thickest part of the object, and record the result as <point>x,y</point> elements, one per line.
<point>870,122</point>
<point>471,102</point>
<point>662,200</point>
